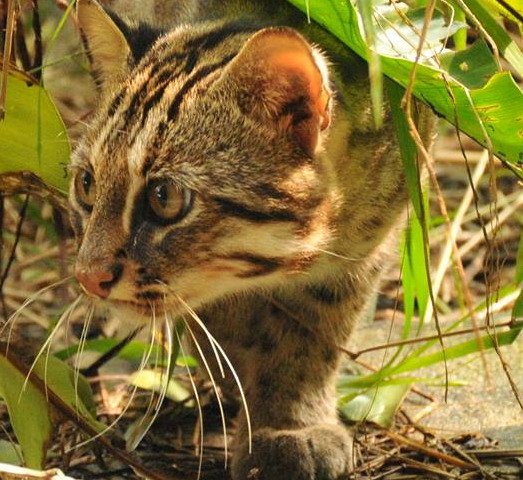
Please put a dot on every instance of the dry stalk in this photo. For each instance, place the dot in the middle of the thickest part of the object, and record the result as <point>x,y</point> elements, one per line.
<point>8,48</point>
<point>421,148</point>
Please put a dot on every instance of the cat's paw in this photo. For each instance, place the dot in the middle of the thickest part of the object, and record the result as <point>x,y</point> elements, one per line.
<point>321,452</point>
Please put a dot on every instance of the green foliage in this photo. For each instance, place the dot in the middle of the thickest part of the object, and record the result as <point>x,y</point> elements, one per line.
<point>33,135</point>
<point>32,431</point>
<point>505,44</point>
<point>155,381</point>
<point>490,114</point>
<point>376,404</point>
<point>22,396</point>
<point>133,352</point>
<point>10,453</point>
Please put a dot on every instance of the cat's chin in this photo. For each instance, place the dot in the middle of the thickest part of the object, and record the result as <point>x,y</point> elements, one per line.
<point>135,313</point>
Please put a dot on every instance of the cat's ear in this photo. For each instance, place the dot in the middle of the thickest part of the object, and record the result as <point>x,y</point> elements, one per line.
<point>106,45</point>
<point>282,79</point>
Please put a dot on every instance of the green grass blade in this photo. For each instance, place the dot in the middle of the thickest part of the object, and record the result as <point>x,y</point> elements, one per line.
<point>507,47</point>
<point>375,73</point>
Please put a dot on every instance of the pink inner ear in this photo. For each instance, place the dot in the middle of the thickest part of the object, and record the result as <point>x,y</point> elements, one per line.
<point>295,60</point>
<point>285,63</point>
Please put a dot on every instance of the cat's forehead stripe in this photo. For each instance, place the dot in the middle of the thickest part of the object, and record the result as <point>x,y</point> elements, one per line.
<point>198,76</point>
<point>163,69</point>
<point>157,72</point>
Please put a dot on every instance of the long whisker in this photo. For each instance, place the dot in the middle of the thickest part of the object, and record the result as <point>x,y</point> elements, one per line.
<point>145,423</point>
<point>28,301</point>
<point>69,310</point>
<point>198,403</point>
<point>216,392</point>
<point>229,364</point>
<point>144,360</point>
<point>337,255</point>
<point>215,351</point>
<point>48,348</point>
<point>164,385</point>
<point>81,347</point>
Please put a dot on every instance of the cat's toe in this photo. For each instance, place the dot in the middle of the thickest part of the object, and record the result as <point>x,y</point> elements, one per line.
<point>314,453</point>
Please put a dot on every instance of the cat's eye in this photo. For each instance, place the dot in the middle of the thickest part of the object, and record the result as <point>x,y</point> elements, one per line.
<point>85,188</point>
<point>169,202</point>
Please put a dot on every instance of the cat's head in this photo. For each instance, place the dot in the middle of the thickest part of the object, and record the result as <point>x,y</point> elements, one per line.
<point>199,175</point>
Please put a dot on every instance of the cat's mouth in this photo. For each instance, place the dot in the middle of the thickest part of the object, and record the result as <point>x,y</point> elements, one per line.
<point>146,310</point>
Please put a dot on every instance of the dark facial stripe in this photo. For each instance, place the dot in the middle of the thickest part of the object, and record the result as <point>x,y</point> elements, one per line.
<point>230,207</point>
<point>212,39</point>
<point>198,76</point>
<point>163,79</point>
<point>260,265</point>
<point>156,147</point>
<point>117,101</point>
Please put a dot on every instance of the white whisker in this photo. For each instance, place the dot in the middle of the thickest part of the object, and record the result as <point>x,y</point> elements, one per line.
<point>216,392</point>
<point>229,364</point>
<point>32,298</point>
<point>144,360</point>
<point>198,403</point>
<point>337,255</point>
<point>81,347</point>
<point>68,311</point>
<point>140,430</point>
<point>215,351</point>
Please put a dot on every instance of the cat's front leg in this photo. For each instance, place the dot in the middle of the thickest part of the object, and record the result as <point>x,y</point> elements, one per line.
<point>296,434</point>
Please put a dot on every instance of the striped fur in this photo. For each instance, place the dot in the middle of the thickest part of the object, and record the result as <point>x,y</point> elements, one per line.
<point>291,223</point>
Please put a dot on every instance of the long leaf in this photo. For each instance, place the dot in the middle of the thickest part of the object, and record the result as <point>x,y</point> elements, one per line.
<point>32,431</point>
<point>33,136</point>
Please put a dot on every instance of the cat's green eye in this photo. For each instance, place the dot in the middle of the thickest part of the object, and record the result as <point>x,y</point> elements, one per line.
<point>85,188</point>
<point>168,202</point>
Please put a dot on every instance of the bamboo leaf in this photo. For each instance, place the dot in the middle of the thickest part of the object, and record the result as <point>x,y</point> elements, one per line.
<point>415,362</point>
<point>155,381</point>
<point>10,453</point>
<point>32,135</point>
<point>32,431</point>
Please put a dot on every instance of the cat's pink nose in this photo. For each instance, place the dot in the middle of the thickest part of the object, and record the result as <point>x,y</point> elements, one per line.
<point>96,283</point>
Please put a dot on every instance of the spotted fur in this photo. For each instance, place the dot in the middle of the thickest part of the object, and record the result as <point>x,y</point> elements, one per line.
<point>292,218</point>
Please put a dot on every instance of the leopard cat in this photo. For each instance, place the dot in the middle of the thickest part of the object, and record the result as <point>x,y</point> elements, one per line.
<point>232,171</point>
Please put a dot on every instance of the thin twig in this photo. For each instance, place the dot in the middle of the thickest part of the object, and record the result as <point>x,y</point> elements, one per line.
<point>18,233</point>
<point>451,248</point>
<point>2,216</point>
<point>411,341</point>
<point>457,462</point>
<point>38,49</point>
